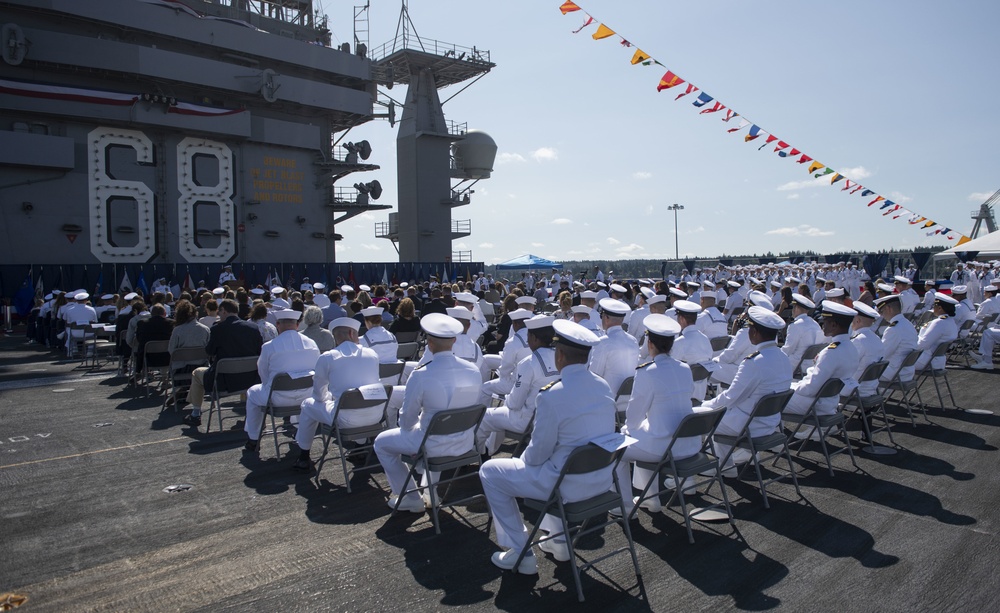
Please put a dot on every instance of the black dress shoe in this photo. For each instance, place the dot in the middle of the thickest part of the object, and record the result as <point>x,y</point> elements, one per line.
<point>251,445</point>
<point>192,420</point>
<point>303,465</point>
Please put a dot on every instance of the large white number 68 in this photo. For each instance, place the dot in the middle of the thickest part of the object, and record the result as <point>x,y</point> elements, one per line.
<point>104,188</point>
<point>191,193</point>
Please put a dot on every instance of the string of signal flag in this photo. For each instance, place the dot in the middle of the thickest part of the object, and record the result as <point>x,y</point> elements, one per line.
<point>709,105</point>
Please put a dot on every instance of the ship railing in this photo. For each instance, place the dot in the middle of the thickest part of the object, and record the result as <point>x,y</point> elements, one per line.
<point>409,40</point>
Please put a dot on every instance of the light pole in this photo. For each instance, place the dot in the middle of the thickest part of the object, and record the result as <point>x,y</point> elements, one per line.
<point>677,249</point>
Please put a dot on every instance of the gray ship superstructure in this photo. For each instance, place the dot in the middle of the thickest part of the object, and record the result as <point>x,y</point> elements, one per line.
<point>147,132</point>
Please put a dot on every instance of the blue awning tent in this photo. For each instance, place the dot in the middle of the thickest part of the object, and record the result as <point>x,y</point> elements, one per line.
<point>528,262</point>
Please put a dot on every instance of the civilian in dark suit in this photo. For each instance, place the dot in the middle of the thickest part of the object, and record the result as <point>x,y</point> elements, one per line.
<point>436,304</point>
<point>156,328</point>
<point>231,337</point>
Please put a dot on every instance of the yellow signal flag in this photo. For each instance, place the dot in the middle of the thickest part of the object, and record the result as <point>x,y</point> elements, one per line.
<point>640,56</point>
<point>603,31</point>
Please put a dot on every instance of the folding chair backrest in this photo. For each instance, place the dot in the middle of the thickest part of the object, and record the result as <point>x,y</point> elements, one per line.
<point>189,354</point>
<point>911,359</point>
<point>698,372</point>
<point>701,423</point>
<point>941,349</point>
<point>393,369</point>
<point>771,404</point>
<point>831,388</point>
<point>407,337</point>
<point>812,351</point>
<point>353,399</point>
<point>720,342</point>
<point>968,323</point>
<point>453,421</point>
<point>407,351</point>
<point>233,366</point>
<point>156,347</point>
<point>588,458</point>
<point>873,371</point>
<point>283,382</point>
<point>625,389</point>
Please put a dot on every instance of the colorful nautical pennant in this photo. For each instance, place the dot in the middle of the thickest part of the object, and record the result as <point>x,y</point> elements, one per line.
<point>639,57</point>
<point>754,133</point>
<point>743,123</point>
<point>668,80</point>
<point>702,100</point>
<point>690,90</point>
<point>716,107</point>
<point>568,7</point>
<point>603,31</point>
<point>586,23</point>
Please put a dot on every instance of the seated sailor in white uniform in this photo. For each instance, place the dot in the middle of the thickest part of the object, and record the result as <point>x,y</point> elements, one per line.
<point>614,358</point>
<point>941,329</point>
<point>532,373</point>
<point>581,315</point>
<point>465,345</point>
<point>515,350</point>
<point>347,366</point>
<point>570,413</point>
<point>765,371</point>
<point>661,398</point>
<point>802,332</point>
<point>292,353</point>
<point>444,382</point>
<point>691,346</point>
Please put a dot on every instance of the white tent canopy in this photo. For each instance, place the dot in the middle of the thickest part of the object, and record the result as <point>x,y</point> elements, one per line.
<point>988,247</point>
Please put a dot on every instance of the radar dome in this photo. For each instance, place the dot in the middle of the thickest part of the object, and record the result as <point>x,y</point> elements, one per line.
<point>474,154</point>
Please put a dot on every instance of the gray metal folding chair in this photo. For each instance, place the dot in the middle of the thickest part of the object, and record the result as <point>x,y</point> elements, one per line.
<point>720,342</point>
<point>929,372</point>
<point>283,382</point>
<point>807,356</point>
<point>353,400</point>
<point>149,372</point>
<point>522,438</point>
<point>870,407</point>
<point>451,421</point>
<point>179,380</point>
<point>407,337</point>
<point>823,425</point>
<point>101,342</point>
<point>766,406</point>
<point>407,351</point>
<point>699,373</point>
<point>906,389</point>
<point>227,366</point>
<point>394,369</point>
<point>701,424</point>
<point>624,391</point>
<point>575,515</point>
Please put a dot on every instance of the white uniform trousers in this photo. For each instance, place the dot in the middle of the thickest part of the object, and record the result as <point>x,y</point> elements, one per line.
<point>389,446</point>
<point>256,399</point>
<point>641,476</point>
<point>495,421</point>
<point>504,481</point>
<point>315,413</point>
<point>988,341</point>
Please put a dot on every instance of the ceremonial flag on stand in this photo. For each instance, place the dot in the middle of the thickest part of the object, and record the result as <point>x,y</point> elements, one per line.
<point>39,288</point>
<point>24,299</point>
<point>98,288</point>
<point>140,284</point>
<point>188,284</point>
<point>385,276</point>
<point>126,285</point>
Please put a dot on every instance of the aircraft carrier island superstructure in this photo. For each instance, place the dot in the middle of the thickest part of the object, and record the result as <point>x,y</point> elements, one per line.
<point>142,131</point>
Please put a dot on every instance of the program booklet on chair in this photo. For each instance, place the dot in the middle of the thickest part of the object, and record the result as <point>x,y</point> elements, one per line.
<point>613,441</point>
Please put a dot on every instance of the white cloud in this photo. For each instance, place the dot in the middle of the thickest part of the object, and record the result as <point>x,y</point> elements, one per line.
<point>574,252</point>
<point>507,158</point>
<point>802,230</point>
<point>980,197</point>
<point>537,244</point>
<point>486,245</point>
<point>899,198</point>
<point>371,246</point>
<point>561,221</point>
<point>461,245</point>
<point>697,230</point>
<point>854,174</point>
<point>648,210</point>
<point>545,154</point>
<point>630,249</point>
<point>793,196</point>
<point>613,241</point>
<point>642,174</point>
<point>512,196</point>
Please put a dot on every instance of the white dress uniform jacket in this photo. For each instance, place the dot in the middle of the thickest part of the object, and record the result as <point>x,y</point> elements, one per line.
<point>870,348</point>
<point>908,300</point>
<point>514,351</point>
<point>898,340</point>
<point>712,323</point>
<point>344,367</point>
<point>614,358</point>
<point>382,342</point>
<point>732,356</point>
<point>444,382</point>
<point>939,330</point>
<point>763,372</point>
<point>693,347</point>
<point>291,353</point>
<point>570,413</point>
<point>837,361</point>
<point>802,332</point>
<point>533,372</point>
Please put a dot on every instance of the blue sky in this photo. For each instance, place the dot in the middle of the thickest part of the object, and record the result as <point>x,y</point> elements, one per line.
<point>895,95</point>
